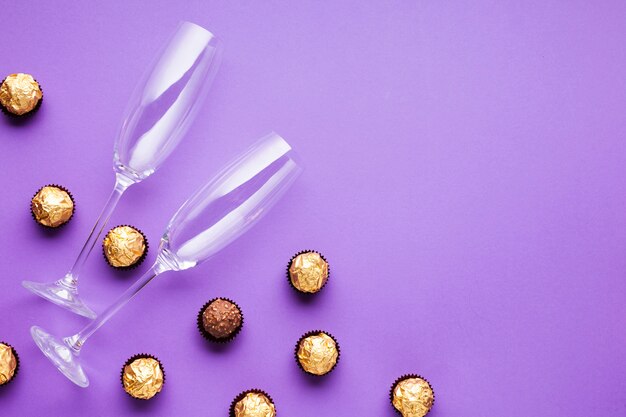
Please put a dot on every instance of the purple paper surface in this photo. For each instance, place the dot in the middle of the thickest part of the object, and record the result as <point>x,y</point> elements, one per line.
<point>465,167</point>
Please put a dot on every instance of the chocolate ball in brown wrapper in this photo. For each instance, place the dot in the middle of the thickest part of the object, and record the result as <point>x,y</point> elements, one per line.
<point>9,363</point>
<point>143,377</point>
<point>220,320</point>
<point>253,403</point>
<point>52,206</point>
<point>317,353</point>
<point>412,396</point>
<point>124,247</point>
<point>308,271</point>
<point>20,94</point>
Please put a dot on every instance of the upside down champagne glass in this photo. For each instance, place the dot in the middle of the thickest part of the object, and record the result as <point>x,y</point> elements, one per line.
<point>213,217</point>
<point>158,115</point>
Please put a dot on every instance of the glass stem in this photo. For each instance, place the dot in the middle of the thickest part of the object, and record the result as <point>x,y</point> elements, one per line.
<point>77,341</point>
<point>70,280</point>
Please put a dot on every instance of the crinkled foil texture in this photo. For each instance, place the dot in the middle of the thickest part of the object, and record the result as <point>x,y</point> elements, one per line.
<point>254,404</point>
<point>143,378</point>
<point>8,363</point>
<point>124,246</point>
<point>52,206</point>
<point>308,272</point>
<point>318,354</point>
<point>413,397</point>
<point>221,318</point>
<point>20,93</point>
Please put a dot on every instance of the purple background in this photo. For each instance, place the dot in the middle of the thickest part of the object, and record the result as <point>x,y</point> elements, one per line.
<point>465,179</point>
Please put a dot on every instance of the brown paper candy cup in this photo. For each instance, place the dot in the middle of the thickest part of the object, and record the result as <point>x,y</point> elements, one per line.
<point>208,336</point>
<point>243,394</point>
<point>402,378</point>
<point>289,276</point>
<point>313,333</point>
<point>138,262</point>
<point>17,364</point>
<point>132,359</point>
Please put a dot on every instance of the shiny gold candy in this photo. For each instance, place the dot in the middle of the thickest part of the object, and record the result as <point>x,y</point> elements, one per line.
<point>317,353</point>
<point>413,397</point>
<point>123,246</point>
<point>8,364</point>
<point>52,206</point>
<point>255,404</point>
<point>20,93</point>
<point>308,272</point>
<point>143,378</point>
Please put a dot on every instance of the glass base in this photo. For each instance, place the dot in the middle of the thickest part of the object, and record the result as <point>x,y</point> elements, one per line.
<point>61,295</point>
<point>61,355</point>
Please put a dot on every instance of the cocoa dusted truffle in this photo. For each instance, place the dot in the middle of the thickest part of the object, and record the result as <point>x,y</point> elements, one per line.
<point>124,247</point>
<point>220,320</point>
<point>253,403</point>
<point>52,206</point>
<point>308,271</point>
<point>143,376</point>
<point>9,363</point>
<point>20,94</point>
<point>412,396</point>
<point>317,353</point>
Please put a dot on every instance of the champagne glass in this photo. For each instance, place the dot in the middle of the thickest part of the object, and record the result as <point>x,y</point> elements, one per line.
<point>213,217</point>
<point>159,113</point>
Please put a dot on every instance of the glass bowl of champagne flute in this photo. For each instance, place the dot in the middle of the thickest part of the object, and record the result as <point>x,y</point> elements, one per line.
<point>159,112</point>
<point>217,214</point>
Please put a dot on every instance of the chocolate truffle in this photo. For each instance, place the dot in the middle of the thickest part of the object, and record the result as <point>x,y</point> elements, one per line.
<point>253,403</point>
<point>317,353</point>
<point>20,94</point>
<point>308,271</point>
<point>412,396</point>
<point>220,320</point>
<point>143,377</point>
<point>9,363</point>
<point>52,206</point>
<point>124,247</point>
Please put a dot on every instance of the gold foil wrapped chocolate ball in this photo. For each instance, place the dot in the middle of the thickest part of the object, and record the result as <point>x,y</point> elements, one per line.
<point>308,272</point>
<point>20,94</point>
<point>220,320</point>
<point>9,363</point>
<point>412,396</point>
<point>253,403</point>
<point>143,377</point>
<point>124,247</point>
<point>52,206</point>
<point>317,353</point>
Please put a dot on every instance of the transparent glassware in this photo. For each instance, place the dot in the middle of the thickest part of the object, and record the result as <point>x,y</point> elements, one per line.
<point>218,213</point>
<point>159,112</point>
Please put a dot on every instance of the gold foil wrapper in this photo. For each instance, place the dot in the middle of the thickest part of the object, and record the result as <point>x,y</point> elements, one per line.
<point>255,404</point>
<point>308,272</point>
<point>143,378</point>
<point>8,364</point>
<point>52,206</point>
<point>413,397</point>
<point>124,246</point>
<point>317,354</point>
<point>20,93</point>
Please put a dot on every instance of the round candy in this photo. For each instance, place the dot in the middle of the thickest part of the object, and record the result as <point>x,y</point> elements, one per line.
<point>253,403</point>
<point>124,247</point>
<point>308,272</point>
<point>412,396</point>
<point>220,320</point>
<point>20,94</point>
<point>143,377</point>
<point>317,353</point>
<point>8,363</point>
<point>52,206</point>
